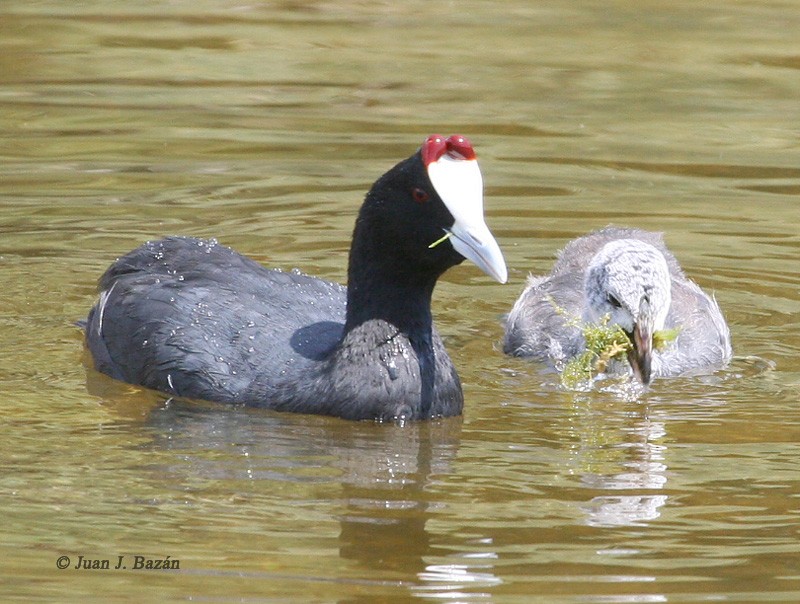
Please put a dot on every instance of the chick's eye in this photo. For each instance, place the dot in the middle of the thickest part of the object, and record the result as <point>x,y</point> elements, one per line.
<point>420,195</point>
<point>612,300</point>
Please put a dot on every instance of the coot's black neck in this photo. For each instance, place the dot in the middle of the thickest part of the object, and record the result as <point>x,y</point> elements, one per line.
<point>384,286</point>
<point>384,291</point>
<point>378,287</point>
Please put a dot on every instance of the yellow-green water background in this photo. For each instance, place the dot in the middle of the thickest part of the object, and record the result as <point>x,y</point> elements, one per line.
<point>263,124</point>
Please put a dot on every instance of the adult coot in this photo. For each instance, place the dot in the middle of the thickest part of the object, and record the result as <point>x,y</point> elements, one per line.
<point>193,318</point>
<point>629,275</point>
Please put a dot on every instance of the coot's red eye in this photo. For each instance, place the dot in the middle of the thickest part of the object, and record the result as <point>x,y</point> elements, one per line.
<point>420,195</point>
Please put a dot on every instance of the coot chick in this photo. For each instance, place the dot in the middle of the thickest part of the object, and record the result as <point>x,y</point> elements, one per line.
<point>196,319</point>
<point>631,276</point>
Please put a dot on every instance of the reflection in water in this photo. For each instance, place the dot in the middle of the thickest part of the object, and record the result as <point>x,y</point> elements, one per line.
<point>384,473</point>
<point>383,525</point>
<point>449,581</point>
<point>627,440</point>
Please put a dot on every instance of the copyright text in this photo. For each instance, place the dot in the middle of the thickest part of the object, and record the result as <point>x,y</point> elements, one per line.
<point>82,562</point>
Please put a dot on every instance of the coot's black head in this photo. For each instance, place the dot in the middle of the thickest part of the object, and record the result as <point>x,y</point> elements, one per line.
<point>426,214</point>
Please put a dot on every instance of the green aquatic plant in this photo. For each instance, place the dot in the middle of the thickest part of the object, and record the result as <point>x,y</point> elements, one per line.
<point>447,236</point>
<point>663,337</point>
<point>605,341</point>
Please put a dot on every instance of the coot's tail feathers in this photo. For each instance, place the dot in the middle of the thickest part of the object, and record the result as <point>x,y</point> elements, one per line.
<point>102,357</point>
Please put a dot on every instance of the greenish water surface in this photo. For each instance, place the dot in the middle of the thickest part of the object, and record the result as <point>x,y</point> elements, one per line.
<point>263,124</point>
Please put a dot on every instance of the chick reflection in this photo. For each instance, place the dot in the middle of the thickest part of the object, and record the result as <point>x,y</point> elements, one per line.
<point>619,453</point>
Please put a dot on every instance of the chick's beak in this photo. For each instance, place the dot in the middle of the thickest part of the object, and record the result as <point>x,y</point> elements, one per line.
<point>640,355</point>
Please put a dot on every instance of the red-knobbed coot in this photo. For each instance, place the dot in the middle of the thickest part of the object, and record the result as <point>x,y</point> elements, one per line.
<point>629,275</point>
<point>196,319</point>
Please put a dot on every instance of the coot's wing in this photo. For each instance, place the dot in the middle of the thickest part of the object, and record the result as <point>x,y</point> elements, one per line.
<point>703,338</point>
<point>542,323</point>
<point>196,319</point>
